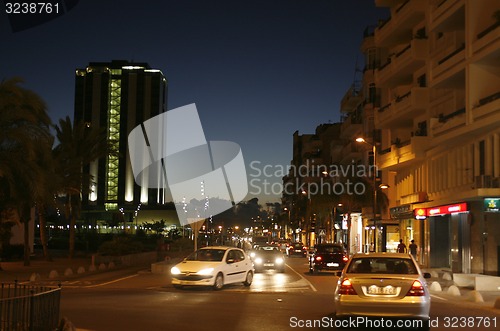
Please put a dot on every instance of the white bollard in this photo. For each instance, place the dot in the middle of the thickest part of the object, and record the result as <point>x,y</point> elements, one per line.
<point>53,274</point>
<point>454,290</point>
<point>435,287</point>
<point>68,272</point>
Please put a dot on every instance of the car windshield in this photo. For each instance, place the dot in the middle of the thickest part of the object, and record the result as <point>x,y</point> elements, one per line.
<point>329,249</point>
<point>268,248</point>
<point>297,246</point>
<point>207,255</point>
<point>382,266</point>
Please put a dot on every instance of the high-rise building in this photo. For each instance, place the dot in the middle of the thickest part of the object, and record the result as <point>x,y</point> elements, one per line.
<point>118,96</point>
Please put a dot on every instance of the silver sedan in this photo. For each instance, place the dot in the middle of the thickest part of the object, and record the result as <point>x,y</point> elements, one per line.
<point>383,288</point>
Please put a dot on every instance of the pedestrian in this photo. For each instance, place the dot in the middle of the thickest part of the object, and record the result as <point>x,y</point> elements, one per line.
<point>413,249</point>
<point>401,247</point>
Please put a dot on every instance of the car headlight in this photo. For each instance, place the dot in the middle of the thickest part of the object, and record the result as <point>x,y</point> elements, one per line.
<point>258,260</point>
<point>279,260</point>
<point>207,271</point>
<point>252,255</point>
<point>175,271</point>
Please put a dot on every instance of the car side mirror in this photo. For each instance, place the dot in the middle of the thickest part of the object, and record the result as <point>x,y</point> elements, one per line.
<point>427,275</point>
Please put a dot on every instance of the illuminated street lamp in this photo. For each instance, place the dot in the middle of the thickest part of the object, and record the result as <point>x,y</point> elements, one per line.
<point>374,148</point>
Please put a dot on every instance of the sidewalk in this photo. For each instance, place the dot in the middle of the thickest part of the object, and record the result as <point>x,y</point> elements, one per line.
<point>40,269</point>
<point>63,268</point>
<point>443,286</point>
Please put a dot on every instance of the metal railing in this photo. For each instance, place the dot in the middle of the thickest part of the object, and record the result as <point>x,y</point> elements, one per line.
<point>29,307</point>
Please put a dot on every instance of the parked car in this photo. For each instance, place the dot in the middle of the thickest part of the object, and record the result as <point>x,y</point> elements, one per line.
<point>297,249</point>
<point>214,266</point>
<point>328,257</point>
<point>383,285</point>
<point>269,258</point>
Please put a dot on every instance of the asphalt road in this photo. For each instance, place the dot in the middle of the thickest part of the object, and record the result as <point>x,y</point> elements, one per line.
<point>140,300</point>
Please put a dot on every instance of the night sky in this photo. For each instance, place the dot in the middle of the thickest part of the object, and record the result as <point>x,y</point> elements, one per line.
<point>257,70</point>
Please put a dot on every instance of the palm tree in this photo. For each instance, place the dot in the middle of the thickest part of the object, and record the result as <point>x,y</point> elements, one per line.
<point>24,140</point>
<point>79,145</point>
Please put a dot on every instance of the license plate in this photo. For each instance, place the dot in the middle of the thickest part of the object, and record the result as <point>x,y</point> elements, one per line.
<point>387,290</point>
<point>331,264</point>
<point>268,264</point>
<point>298,251</point>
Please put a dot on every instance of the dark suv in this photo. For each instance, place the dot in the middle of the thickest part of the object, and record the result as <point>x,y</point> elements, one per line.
<point>328,257</point>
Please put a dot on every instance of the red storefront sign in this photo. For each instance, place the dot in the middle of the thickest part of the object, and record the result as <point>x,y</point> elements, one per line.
<point>421,213</point>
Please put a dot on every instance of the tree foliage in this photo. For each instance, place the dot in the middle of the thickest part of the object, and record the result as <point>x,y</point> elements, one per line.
<point>25,142</point>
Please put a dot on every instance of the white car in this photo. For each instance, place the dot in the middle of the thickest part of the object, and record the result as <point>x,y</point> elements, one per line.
<point>383,285</point>
<point>214,266</point>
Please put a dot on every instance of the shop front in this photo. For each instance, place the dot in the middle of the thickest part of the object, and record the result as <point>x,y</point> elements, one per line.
<point>449,236</point>
<point>405,226</point>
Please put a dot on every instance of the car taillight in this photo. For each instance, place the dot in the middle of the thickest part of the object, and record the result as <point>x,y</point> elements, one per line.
<point>346,288</point>
<point>318,258</point>
<point>345,258</point>
<point>416,290</point>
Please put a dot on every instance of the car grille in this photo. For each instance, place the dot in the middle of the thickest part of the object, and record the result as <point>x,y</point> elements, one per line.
<point>193,277</point>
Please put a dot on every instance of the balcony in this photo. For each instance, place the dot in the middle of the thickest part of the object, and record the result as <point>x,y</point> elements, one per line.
<point>351,151</point>
<point>399,68</point>
<point>449,64</point>
<point>351,125</point>
<point>404,154</point>
<point>487,38</point>
<point>398,29</point>
<point>403,109</point>
<point>448,123</point>
<point>489,105</point>
<point>448,15</point>
<point>412,57</point>
<point>351,100</point>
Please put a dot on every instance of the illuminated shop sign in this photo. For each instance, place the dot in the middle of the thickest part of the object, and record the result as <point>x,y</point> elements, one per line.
<point>422,213</point>
<point>448,209</point>
<point>492,205</point>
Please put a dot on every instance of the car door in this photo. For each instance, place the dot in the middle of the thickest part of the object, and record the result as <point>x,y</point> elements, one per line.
<point>235,270</point>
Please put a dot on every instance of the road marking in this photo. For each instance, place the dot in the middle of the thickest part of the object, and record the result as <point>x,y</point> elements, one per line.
<point>308,282</point>
<point>436,297</point>
<point>111,282</point>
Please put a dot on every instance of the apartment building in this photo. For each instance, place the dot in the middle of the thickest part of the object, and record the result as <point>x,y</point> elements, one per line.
<point>432,87</point>
<point>307,194</point>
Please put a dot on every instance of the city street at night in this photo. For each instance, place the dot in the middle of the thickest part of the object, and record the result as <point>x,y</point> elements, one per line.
<point>249,165</point>
<point>146,301</point>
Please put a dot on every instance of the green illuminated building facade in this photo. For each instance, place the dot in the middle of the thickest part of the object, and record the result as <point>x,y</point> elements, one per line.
<point>118,96</point>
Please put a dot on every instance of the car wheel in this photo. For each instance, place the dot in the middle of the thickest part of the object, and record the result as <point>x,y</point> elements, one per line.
<point>219,282</point>
<point>249,279</point>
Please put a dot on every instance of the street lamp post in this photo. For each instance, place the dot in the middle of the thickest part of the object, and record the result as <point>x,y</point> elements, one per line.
<point>288,225</point>
<point>374,149</point>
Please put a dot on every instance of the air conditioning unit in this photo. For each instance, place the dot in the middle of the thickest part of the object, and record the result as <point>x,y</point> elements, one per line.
<point>483,181</point>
